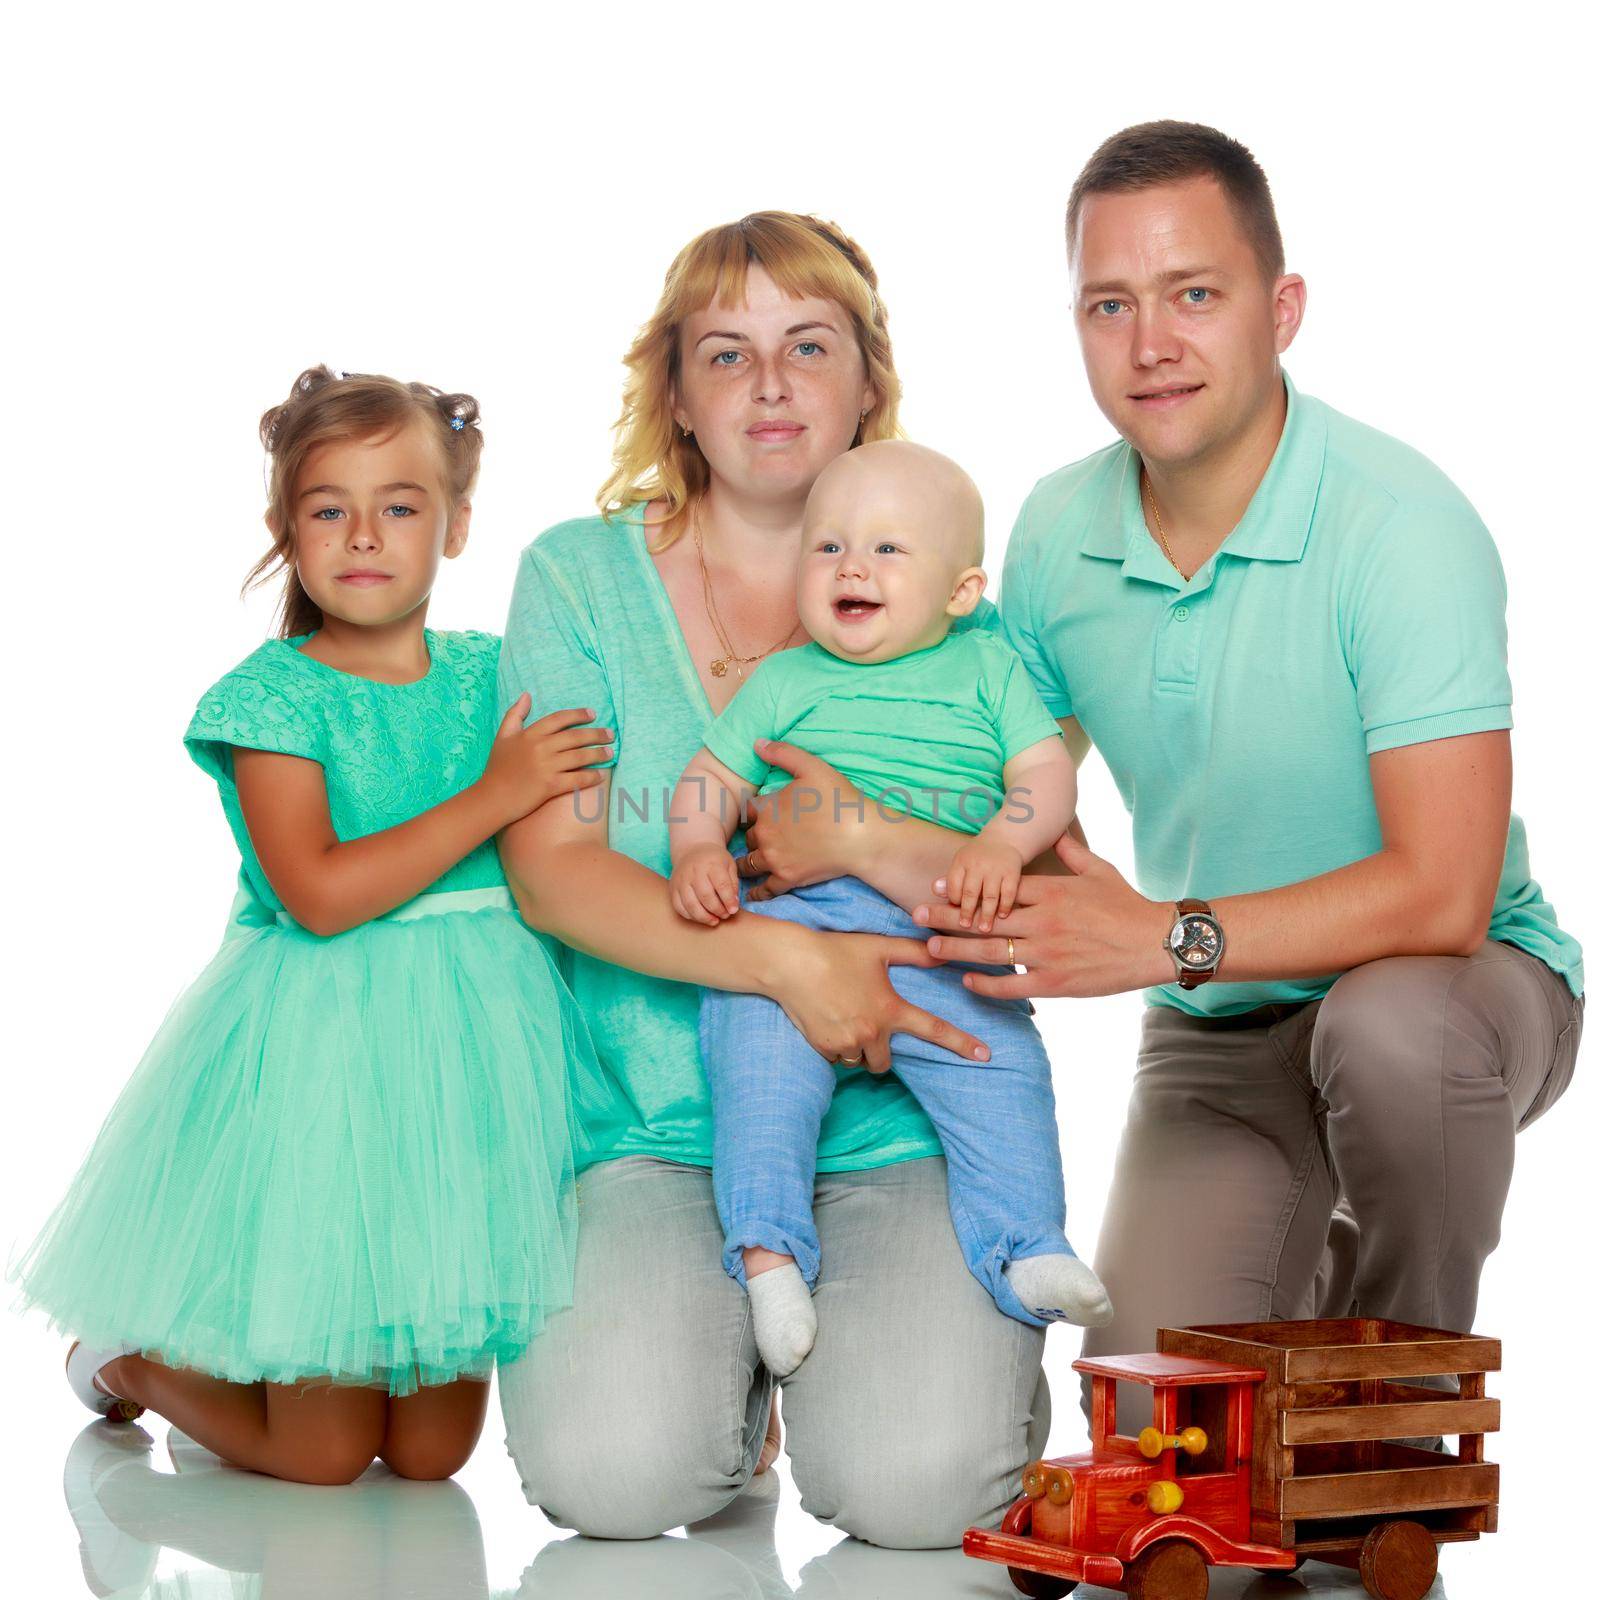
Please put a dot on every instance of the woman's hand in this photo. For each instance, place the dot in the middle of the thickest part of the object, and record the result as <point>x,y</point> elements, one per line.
<point>802,834</point>
<point>839,996</point>
<point>555,755</point>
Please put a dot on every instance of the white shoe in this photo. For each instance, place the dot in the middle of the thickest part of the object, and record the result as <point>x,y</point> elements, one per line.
<point>83,1373</point>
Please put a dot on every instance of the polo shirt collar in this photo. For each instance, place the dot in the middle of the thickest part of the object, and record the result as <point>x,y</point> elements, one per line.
<point>1274,527</point>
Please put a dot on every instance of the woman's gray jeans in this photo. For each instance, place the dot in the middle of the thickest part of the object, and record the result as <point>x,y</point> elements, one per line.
<point>642,1407</point>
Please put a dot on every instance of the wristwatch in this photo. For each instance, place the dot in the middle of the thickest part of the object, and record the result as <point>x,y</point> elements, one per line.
<point>1195,944</point>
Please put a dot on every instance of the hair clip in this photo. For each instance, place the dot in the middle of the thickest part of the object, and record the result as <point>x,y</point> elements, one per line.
<point>457,423</point>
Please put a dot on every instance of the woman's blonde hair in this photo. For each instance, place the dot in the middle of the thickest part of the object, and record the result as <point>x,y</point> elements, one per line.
<point>807,258</point>
<point>324,406</point>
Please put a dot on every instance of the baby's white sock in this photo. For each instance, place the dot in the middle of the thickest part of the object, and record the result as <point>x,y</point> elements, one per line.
<point>785,1319</point>
<point>1060,1288</point>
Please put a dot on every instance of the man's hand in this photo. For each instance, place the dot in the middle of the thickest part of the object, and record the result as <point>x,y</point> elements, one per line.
<point>801,834</point>
<point>983,881</point>
<point>1088,934</point>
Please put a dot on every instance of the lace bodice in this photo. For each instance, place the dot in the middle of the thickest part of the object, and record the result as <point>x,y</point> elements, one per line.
<point>388,751</point>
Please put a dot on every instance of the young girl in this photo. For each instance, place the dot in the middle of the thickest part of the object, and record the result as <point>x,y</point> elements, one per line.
<point>337,1189</point>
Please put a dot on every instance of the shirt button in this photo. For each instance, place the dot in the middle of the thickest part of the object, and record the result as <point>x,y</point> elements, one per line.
<point>1181,613</point>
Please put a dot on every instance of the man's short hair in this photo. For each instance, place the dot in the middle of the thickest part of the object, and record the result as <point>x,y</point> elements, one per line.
<point>1153,153</point>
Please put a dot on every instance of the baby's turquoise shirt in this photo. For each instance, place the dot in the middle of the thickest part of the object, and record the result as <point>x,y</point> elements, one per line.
<point>927,733</point>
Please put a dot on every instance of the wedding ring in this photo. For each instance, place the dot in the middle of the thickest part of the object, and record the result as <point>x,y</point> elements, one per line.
<point>851,1061</point>
<point>1011,952</point>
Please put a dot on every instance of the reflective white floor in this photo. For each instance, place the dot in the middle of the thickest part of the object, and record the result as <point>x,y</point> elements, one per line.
<point>155,1517</point>
<point>162,1520</point>
<point>141,1513</point>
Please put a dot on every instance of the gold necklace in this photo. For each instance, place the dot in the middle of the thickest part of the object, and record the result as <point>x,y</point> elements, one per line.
<point>1161,533</point>
<point>719,667</point>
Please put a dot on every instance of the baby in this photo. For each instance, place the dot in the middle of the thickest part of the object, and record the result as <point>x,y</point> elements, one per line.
<point>943,723</point>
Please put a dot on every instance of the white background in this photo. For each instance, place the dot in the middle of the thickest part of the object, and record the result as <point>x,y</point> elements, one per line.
<point>200,201</point>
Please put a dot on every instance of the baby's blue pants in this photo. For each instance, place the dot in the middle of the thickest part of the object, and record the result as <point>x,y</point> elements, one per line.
<point>996,1119</point>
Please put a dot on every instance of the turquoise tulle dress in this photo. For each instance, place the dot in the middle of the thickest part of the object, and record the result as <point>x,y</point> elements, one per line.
<point>343,1157</point>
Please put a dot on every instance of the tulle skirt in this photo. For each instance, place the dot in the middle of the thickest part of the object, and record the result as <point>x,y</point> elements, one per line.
<point>344,1158</point>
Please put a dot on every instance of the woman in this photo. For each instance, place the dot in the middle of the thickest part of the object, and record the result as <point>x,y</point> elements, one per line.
<point>643,1407</point>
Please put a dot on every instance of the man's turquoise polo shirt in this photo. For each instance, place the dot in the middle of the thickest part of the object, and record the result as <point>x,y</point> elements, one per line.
<point>1358,606</point>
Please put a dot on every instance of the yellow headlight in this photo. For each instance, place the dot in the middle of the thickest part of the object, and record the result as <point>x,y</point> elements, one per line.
<point>1058,1486</point>
<point>1164,1497</point>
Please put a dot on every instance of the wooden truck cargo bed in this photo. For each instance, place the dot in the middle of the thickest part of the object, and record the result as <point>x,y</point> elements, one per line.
<point>1328,1455</point>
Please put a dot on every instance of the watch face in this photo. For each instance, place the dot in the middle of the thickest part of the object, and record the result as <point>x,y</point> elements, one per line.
<point>1196,941</point>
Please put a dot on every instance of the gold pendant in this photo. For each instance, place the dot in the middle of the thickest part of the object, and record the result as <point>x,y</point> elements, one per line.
<point>719,668</point>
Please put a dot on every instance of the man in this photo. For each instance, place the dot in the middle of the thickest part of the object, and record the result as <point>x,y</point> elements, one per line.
<point>1286,634</point>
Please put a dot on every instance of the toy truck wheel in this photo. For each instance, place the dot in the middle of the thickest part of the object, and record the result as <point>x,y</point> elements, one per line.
<point>1398,1561</point>
<point>1171,1570</point>
<point>1040,1585</point>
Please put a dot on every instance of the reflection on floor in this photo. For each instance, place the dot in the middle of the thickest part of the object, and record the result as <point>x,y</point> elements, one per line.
<point>246,1537</point>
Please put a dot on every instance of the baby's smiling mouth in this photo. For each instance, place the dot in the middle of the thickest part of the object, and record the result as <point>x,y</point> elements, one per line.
<point>852,608</point>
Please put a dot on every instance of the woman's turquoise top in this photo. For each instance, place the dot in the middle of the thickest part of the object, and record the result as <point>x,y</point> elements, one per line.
<point>591,625</point>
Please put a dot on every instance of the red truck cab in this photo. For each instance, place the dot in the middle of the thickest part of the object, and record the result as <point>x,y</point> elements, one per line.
<point>1145,1514</point>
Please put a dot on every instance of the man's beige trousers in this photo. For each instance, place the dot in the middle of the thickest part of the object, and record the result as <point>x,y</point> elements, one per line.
<point>1350,1157</point>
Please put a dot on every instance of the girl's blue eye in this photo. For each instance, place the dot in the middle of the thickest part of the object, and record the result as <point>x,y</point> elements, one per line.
<point>404,511</point>
<point>829,548</point>
<point>887,549</point>
<point>326,514</point>
<point>806,346</point>
<point>717,360</point>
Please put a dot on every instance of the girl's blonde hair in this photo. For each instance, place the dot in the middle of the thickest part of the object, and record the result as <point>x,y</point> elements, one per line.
<point>807,258</point>
<point>325,406</point>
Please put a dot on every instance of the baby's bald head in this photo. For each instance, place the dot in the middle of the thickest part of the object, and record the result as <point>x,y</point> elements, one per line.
<point>890,551</point>
<point>907,483</point>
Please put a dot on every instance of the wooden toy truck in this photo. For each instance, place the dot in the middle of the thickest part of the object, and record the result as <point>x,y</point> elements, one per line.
<point>1271,1442</point>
